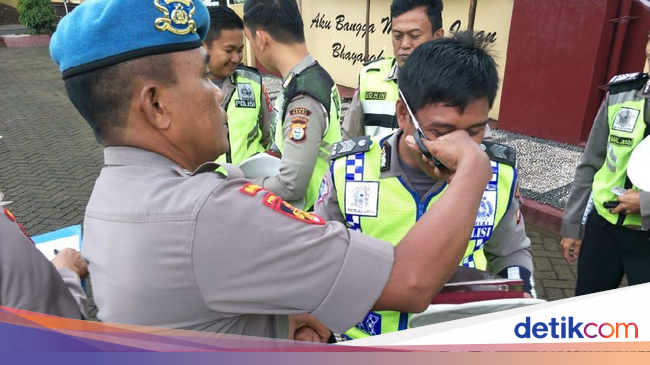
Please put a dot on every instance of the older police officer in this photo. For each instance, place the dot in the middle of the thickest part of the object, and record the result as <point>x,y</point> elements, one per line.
<point>172,243</point>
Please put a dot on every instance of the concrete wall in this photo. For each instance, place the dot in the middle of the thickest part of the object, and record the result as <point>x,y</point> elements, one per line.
<point>335,32</point>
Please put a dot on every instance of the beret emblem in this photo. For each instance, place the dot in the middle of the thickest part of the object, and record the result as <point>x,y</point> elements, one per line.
<point>177,16</point>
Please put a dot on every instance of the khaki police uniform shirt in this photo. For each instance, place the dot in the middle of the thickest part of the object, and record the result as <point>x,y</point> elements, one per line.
<point>30,282</point>
<point>508,246</point>
<point>353,121</point>
<point>265,116</point>
<point>188,250</point>
<point>593,159</point>
<point>299,157</point>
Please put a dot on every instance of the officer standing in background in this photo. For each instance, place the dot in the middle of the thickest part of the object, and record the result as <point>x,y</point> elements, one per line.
<point>172,243</point>
<point>372,111</point>
<point>381,187</point>
<point>245,98</point>
<point>616,237</point>
<point>307,114</point>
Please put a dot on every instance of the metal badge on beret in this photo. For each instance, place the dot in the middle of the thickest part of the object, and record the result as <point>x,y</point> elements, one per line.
<point>177,16</point>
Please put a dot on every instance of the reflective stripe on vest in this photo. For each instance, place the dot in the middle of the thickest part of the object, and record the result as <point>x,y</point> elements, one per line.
<point>243,111</point>
<point>387,209</point>
<point>378,97</point>
<point>332,135</point>
<point>627,129</point>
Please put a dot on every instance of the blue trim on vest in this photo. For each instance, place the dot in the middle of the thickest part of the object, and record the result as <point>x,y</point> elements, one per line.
<point>354,221</point>
<point>403,321</point>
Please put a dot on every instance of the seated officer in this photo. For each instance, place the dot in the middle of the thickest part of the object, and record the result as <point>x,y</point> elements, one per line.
<point>172,243</point>
<point>28,281</point>
<point>244,97</point>
<point>308,111</point>
<point>384,189</point>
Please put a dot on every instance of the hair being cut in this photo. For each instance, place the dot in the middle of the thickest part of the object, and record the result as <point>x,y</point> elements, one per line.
<point>433,9</point>
<point>280,18</point>
<point>455,71</point>
<point>103,96</point>
<point>222,18</point>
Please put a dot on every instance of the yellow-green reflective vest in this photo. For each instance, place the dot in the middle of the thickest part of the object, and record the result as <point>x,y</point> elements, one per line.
<point>387,209</point>
<point>378,97</point>
<point>627,129</point>
<point>317,83</point>
<point>243,110</point>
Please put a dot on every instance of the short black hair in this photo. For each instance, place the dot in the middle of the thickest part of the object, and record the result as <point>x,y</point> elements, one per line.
<point>433,8</point>
<point>454,71</point>
<point>281,18</point>
<point>103,96</point>
<point>222,18</point>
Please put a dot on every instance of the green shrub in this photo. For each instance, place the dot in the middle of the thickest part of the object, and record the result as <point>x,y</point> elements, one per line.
<point>37,14</point>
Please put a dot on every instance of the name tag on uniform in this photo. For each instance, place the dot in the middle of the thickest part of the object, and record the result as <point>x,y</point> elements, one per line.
<point>362,198</point>
<point>375,95</point>
<point>625,120</point>
<point>245,103</point>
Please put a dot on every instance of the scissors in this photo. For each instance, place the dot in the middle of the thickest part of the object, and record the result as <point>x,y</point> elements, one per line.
<point>419,135</point>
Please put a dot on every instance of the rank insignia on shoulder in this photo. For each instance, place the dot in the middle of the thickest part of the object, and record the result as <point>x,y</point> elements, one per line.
<point>351,146</point>
<point>251,189</point>
<point>620,79</point>
<point>500,153</point>
<point>276,203</point>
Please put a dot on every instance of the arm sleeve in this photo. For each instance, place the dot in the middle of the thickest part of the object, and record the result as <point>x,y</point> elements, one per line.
<point>73,282</point>
<point>352,125</point>
<point>592,160</point>
<point>298,157</point>
<point>645,209</point>
<point>509,245</point>
<point>258,259</point>
<point>327,205</point>
<point>28,280</point>
<point>265,118</point>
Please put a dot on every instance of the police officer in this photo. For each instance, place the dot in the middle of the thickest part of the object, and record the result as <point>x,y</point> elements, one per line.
<point>372,111</point>
<point>28,281</point>
<point>615,240</point>
<point>308,111</point>
<point>381,188</point>
<point>172,243</point>
<point>245,98</point>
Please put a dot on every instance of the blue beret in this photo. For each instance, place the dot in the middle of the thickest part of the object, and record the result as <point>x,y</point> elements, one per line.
<point>101,33</point>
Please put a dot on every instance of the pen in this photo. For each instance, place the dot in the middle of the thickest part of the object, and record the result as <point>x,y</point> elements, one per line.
<point>56,252</point>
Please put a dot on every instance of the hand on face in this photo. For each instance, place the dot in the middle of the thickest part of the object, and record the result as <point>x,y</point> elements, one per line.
<point>455,150</point>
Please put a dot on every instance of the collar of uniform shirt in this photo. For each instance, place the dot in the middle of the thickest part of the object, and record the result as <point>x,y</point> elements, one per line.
<point>300,67</point>
<point>394,73</point>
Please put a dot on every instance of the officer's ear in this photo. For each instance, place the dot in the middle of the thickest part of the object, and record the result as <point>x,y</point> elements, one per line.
<point>439,33</point>
<point>402,115</point>
<point>262,38</point>
<point>149,99</point>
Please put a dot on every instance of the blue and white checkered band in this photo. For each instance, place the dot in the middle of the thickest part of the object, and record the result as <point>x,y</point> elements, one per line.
<point>486,216</point>
<point>177,16</point>
<point>354,172</point>
<point>371,324</point>
<point>469,261</point>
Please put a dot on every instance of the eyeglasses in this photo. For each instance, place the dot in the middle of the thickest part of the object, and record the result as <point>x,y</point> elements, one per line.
<point>419,135</point>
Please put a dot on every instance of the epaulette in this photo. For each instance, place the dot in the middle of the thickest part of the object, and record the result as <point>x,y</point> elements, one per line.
<point>500,153</point>
<point>350,147</point>
<point>248,72</point>
<point>627,82</point>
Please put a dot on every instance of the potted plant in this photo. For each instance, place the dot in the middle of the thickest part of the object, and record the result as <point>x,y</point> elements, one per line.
<point>38,15</point>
